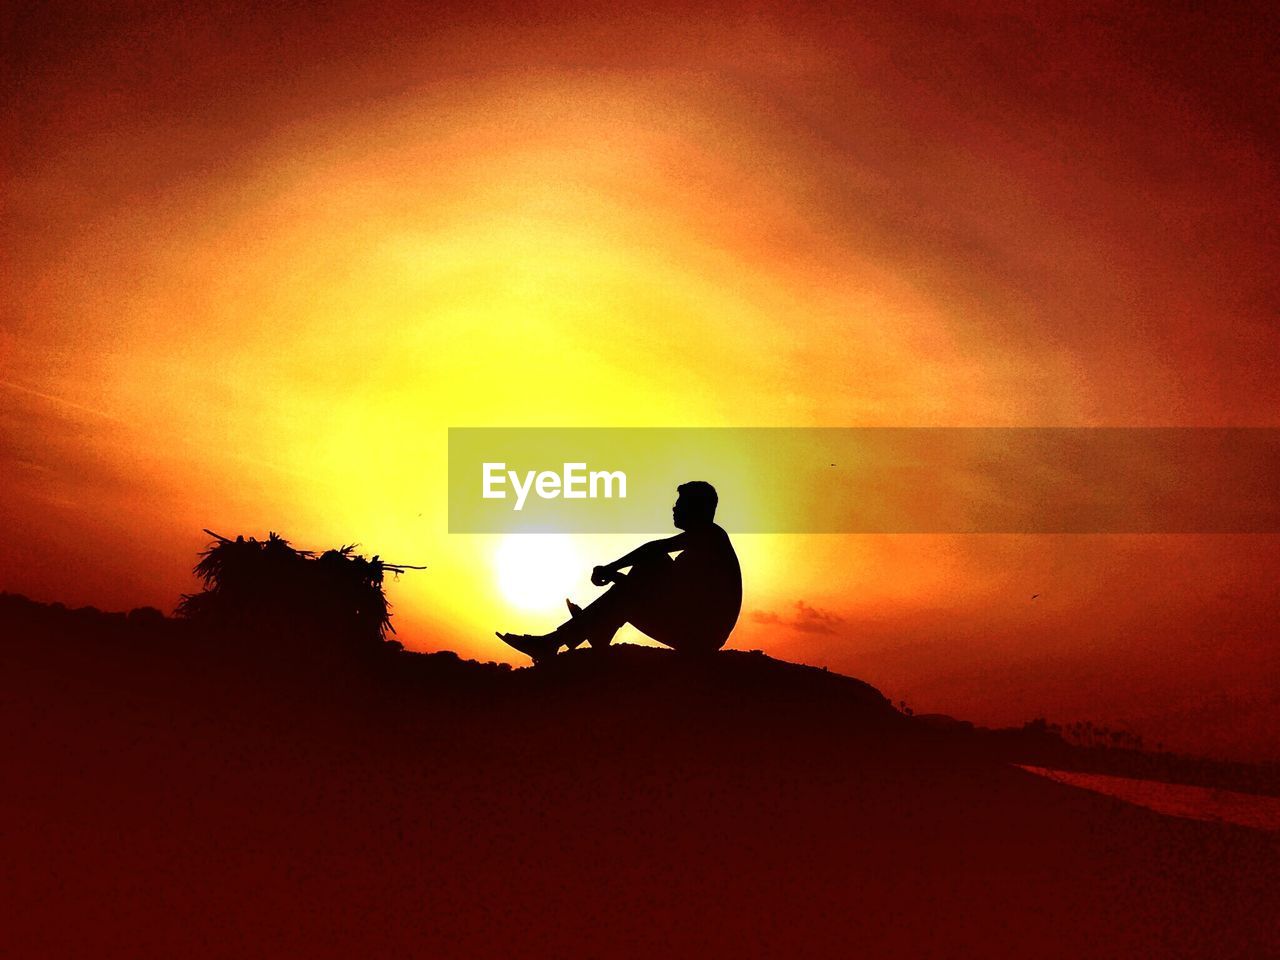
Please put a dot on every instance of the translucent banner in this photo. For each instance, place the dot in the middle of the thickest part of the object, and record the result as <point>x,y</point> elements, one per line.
<point>869,480</point>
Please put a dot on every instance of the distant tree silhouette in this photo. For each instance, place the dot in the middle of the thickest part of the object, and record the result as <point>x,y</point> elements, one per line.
<point>271,585</point>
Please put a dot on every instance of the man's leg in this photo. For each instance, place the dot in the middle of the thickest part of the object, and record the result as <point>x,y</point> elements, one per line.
<point>648,598</point>
<point>628,599</point>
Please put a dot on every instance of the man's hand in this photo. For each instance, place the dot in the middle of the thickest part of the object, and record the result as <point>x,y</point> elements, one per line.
<point>602,575</point>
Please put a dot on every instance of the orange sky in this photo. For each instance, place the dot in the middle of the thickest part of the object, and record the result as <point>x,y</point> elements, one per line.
<point>256,263</point>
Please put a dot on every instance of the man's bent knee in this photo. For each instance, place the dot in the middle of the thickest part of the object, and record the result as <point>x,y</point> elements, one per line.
<point>649,572</point>
<point>653,560</point>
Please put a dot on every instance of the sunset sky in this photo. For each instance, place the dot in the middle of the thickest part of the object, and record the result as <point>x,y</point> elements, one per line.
<point>257,261</point>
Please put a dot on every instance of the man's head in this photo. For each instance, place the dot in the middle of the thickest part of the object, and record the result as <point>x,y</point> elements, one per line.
<point>695,505</point>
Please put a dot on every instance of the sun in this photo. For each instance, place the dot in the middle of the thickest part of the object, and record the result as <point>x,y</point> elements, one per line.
<point>537,571</point>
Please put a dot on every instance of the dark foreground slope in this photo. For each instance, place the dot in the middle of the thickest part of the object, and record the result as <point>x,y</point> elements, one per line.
<point>169,795</point>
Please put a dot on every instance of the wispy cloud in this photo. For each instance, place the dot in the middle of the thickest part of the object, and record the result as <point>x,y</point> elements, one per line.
<point>61,401</point>
<point>801,617</point>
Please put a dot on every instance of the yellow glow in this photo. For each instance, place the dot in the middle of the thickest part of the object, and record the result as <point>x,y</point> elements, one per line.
<point>538,571</point>
<point>292,351</point>
<point>252,293</point>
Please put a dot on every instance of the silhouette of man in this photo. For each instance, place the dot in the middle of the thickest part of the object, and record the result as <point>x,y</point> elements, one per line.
<point>690,603</point>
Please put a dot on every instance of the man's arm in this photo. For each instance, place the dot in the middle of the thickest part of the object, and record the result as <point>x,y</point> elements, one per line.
<point>611,571</point>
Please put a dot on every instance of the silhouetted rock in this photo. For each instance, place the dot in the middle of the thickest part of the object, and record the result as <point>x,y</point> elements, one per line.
<point>177,798</point>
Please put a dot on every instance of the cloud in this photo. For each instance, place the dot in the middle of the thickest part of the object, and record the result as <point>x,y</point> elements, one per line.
<point>802,618</point>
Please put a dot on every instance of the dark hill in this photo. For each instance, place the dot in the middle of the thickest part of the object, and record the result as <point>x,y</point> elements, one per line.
<point>172,792</point>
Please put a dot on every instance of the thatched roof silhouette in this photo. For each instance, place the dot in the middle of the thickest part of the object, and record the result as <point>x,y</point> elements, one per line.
<point>271,583</point>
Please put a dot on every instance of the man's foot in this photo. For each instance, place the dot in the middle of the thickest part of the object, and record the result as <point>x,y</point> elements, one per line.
<point>574,610</point>
<point>540,649</point>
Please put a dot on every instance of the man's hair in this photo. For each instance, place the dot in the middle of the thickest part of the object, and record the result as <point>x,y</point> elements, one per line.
<point>700,496</point>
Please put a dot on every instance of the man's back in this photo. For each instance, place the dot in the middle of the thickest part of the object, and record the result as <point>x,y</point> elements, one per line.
<point>708,579</point>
